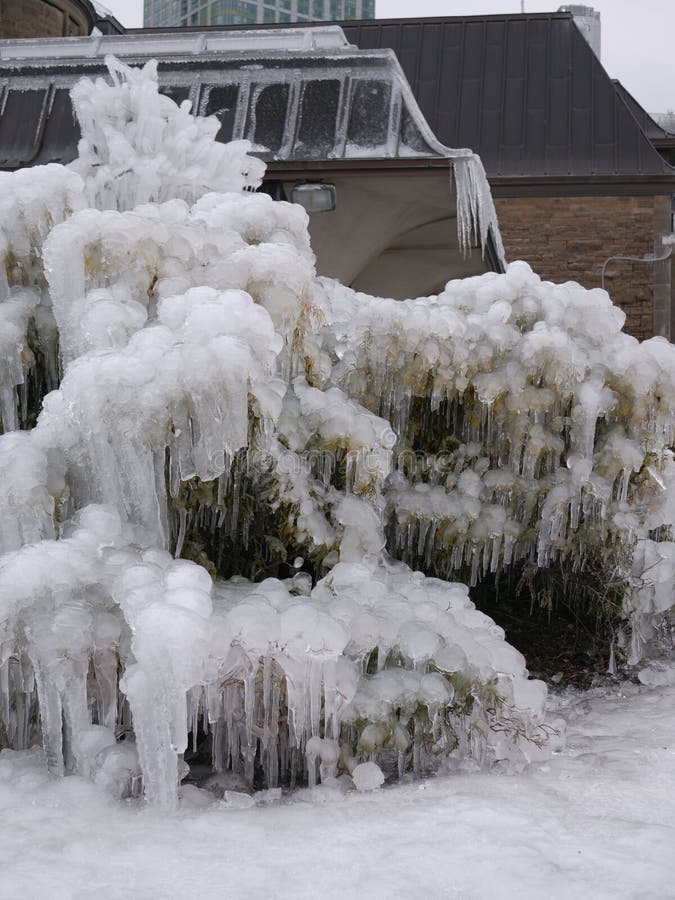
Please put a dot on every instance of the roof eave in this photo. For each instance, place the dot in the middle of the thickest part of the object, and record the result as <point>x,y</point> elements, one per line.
<point>587,185</point>
<point>319,168</point>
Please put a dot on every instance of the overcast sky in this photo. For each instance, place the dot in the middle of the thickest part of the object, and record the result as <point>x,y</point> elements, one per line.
<point>637,37</point>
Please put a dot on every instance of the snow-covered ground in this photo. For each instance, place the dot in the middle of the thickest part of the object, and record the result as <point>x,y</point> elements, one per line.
<point>596,821</point>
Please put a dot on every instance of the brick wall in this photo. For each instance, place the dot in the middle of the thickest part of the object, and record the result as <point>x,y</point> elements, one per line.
<point>569,238</point>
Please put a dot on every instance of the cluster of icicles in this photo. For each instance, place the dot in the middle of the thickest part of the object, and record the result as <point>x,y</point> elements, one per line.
<point>530,428</point>
<point>163,332</point>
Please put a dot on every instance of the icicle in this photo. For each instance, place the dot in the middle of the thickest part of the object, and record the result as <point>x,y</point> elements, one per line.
<point>4,695</point>
<point>312,752</point>
<point>249,749</point>
<point>182,518</point>
<point>274,753</point>
<point>217,751</point>
<point>105,663</point>
<point>51,717</point>
<point>496,548</point>
<point>315,690</point>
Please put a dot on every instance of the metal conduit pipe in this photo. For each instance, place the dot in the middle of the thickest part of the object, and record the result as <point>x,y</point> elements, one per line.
<point>649,258</point>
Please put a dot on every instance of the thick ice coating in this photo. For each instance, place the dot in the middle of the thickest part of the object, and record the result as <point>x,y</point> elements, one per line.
<point>137,146</point>
<point>218,475</point>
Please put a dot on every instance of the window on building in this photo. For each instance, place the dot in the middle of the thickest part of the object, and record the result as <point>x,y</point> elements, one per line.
<point>369,114</point>
<point>318,119</point>
<point>176,92</point>
<point>269,116</point>
<point>221,101</point>
<point>233,12</point>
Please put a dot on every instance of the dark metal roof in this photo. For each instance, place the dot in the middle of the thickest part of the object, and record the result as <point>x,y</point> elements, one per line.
<point>293,101</point>
<point>663,140</point>
<point>650,127</point>
<point>526,92</point>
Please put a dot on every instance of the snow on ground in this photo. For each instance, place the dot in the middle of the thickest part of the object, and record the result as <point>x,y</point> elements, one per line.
<point>596,821</point>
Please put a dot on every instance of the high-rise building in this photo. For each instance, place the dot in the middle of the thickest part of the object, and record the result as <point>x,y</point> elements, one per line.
<point>587,21</point>
<point>160,13</point>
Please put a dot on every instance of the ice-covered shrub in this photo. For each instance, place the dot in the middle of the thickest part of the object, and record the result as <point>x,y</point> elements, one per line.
<point>200,531</point>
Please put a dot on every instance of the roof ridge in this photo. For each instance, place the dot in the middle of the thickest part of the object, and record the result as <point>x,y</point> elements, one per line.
<point>351,22</point>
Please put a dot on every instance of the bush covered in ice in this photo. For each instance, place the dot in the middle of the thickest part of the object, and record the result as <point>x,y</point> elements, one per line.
<point>219,475</point>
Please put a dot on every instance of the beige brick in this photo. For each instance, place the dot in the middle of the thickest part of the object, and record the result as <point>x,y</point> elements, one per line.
<point>568,239</point>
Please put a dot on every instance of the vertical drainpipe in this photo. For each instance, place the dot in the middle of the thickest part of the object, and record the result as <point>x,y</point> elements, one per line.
<point>661,286</point>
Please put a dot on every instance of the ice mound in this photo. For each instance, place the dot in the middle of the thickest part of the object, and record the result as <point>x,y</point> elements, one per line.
<point>385,663</point>
<point>530,428</point>
<point>218,475</point>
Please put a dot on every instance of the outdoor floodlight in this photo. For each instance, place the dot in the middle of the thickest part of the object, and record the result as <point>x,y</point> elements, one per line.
<point>314,198</point>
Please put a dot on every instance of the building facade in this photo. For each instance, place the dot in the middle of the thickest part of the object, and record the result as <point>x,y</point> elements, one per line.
<point>163,13</point>
<point>338,126</point>
<point>579,172</point>
<point>46,18</point>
